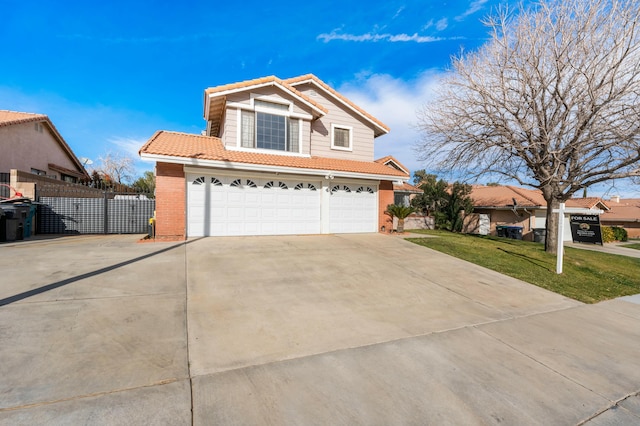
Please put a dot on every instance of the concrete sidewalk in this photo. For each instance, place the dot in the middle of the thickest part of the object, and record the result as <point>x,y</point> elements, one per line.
<point>351,329</point>
<point>611,248</point>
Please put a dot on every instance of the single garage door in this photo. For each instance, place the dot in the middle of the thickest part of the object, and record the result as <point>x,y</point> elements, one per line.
<point>353,208</point>
<point>229,205</point>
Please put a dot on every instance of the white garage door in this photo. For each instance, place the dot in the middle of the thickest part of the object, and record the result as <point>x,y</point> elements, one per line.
<point>227,206</point>
<point>353,208</point>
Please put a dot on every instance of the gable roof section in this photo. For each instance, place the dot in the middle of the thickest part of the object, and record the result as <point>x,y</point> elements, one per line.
<point>174,145</point>
<point>216,97</point>
<point>379,126</point>
<point>588,203</point>
<point>9,118</point>
<point>391,161</point>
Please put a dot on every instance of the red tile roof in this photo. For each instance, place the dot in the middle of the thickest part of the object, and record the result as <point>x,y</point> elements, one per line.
<point>407,187</point>
<point>503,196</point>
<point>184,145</point>
<point>233,87</point>
<point>312,78</point>
<point>8,118</point>
<point>391,158</point>
<point>626,210</point>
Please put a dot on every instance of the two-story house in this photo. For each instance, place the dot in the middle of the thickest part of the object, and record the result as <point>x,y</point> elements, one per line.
<point>277,157</point>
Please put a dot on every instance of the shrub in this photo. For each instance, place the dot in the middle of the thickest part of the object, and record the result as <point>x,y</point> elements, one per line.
<point>619,234</point>
<point>607,234</point>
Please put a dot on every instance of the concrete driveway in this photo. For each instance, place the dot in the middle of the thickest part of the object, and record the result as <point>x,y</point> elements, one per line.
<point>355,329</point>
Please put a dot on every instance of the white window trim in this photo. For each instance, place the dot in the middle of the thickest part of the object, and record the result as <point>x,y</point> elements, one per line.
<point>289,115</point>
<point>272,99</point>
<point>342,148</point>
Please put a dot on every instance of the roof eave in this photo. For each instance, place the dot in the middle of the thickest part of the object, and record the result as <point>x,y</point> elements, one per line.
<point>196,162</point>
<point>378,129</point>
<point>211,95</point>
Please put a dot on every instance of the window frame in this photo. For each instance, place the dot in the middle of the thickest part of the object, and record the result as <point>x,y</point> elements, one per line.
<point>258,107</point>
<point>333,133</point>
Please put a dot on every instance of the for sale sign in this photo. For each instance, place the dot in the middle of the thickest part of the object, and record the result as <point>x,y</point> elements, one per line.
<point>585,228</point>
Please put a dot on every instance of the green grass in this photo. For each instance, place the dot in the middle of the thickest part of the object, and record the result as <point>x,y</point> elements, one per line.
<point>588,276</point>
<point>632,245</point>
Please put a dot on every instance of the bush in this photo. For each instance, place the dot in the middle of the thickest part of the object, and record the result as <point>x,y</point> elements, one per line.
<point>607,234</point>
<point>619,234</point>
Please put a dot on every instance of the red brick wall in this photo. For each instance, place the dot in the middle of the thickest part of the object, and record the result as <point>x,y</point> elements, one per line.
<point>385,197</point>
<point>170,202</point>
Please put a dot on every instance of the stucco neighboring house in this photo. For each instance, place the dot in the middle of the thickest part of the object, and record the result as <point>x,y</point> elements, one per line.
<point>520,207</point>
<point>623,212</point>
<point>31,143</point>
<point>403,192</point>
<point>279,156</point>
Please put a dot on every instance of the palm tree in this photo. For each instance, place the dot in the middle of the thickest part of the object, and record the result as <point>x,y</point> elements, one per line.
<point>401,212</point>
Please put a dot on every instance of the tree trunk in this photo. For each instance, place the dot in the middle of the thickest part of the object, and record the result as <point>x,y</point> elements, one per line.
<point>551,240</point>
<point>400,229</point>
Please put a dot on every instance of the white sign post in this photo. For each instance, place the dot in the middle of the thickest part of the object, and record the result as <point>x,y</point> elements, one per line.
<point>560,239</point>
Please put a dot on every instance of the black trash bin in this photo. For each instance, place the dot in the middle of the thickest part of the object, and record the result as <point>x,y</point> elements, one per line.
<point>3,226</point>
<point>514,232</point>
<point>539,235</point>
<point>18,212</point>
<point>501,231</point>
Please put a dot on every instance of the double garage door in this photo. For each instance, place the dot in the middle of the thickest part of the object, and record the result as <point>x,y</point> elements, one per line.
<point>220,205</point>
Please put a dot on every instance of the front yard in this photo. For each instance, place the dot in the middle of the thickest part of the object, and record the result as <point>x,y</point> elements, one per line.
<point>588,276</point>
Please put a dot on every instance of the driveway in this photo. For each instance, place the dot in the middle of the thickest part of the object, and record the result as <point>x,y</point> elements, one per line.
<point>350,329</point>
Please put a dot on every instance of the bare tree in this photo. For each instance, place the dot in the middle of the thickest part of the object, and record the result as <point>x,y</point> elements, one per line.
<point>116,167</point>
<point>551,100</point>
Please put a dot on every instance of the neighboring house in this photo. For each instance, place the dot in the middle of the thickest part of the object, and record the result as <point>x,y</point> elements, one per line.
<point>526,208</point>
<point>624,213</point>
<point>278,157</point>
<point>31,143</point>
<point>403,192</point>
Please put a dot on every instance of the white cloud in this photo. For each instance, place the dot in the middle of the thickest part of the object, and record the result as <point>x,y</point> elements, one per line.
<point>475,6</point>
<point>398,12</point>
<point>129,146</point>
<point>442,24</point>
<point>373,37</point>
<point>395,102</point>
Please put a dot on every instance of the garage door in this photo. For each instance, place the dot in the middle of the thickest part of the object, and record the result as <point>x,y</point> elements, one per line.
<point>226,206</point>
<point>353,208</point>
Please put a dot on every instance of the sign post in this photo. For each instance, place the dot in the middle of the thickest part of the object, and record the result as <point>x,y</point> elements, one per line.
<point>560,239</point>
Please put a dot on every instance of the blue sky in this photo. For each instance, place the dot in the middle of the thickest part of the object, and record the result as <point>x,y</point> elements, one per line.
<point>109,74</point>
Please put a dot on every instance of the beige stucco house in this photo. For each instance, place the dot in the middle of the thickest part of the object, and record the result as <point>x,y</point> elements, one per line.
<point>506,205</point>
<point>31,143</point>
<point>279,156</point>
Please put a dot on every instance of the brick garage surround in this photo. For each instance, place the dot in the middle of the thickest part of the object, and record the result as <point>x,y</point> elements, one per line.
<point>385,197</point>
<point>170,202</point>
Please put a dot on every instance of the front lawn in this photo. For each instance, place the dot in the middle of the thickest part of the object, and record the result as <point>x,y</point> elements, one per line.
<point>588,276</point>
<point>633,246</point>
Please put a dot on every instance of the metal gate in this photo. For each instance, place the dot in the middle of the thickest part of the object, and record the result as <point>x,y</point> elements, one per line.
<point>92,211</point>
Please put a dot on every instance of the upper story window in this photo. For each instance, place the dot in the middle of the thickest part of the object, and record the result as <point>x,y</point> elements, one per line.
<point>341,137</point>
<point>269,127</point>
